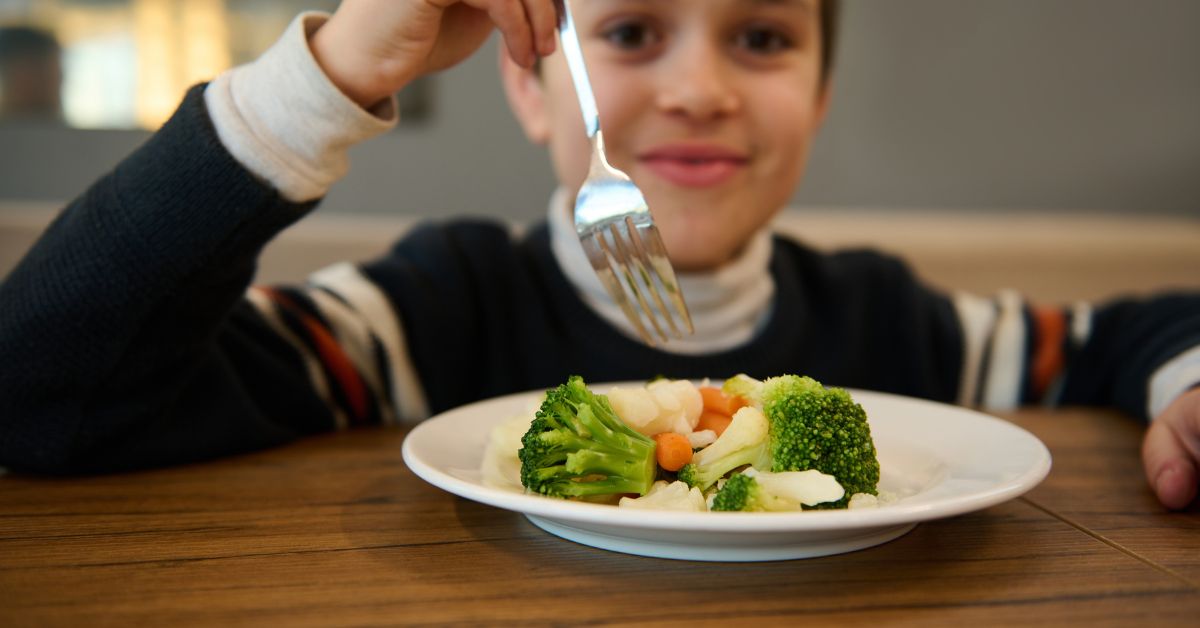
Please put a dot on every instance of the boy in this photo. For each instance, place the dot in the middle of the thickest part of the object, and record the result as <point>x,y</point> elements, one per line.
<point>131,339</point>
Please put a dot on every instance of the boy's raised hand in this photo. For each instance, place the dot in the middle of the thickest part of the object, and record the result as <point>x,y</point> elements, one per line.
<point>372,48</point>
<point>1171,451</point>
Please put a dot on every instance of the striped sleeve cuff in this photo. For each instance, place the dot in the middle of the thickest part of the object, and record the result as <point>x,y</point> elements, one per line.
<point>367,315</point>
<point>993,350</point>
<point>1015,353</point>
<point>352,345</point>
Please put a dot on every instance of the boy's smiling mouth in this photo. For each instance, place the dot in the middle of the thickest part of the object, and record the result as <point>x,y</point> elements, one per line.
<point>694,165</point>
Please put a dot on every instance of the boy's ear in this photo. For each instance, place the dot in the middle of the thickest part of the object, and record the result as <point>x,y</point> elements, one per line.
<point>823,102</point>
<point>526,97</point>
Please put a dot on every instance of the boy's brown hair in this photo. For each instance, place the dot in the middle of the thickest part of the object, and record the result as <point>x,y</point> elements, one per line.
<point>830,18</point>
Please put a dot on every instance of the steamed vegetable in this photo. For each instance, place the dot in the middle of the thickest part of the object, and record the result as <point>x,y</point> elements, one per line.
<point>578,447</point>
<point>754,490</point>
<point>663,405</point>
<point>673,450</point>
<point>814,427</point>
<point>744,442</point>
<point>668,496</point>
<point>791,443</point>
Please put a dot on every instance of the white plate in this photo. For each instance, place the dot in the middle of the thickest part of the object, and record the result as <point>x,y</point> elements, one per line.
<point>939,460</point>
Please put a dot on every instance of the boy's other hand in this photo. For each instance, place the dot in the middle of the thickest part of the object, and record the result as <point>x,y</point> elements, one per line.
<point>1171,451</point>
<point>372,48</point>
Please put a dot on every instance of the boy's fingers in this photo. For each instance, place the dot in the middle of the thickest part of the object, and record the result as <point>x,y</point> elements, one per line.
<point>543,16</point>
<point>1169,465</point>
<point>513,21</point>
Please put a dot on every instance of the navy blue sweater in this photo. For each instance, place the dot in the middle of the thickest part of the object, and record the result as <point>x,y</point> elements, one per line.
<point>128,340</point>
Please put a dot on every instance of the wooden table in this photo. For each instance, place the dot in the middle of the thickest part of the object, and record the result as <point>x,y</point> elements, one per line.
<point>335,530</point>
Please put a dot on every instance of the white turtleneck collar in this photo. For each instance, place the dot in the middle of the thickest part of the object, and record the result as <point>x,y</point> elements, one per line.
<point>728,305</point>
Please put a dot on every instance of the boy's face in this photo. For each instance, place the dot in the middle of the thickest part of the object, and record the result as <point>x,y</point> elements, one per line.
<point>709,105</point>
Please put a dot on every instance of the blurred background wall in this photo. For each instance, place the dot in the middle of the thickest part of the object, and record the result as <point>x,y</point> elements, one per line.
<point>978,105</point>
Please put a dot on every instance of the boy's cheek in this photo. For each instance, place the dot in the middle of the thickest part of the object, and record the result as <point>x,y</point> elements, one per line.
<point>570,154</point>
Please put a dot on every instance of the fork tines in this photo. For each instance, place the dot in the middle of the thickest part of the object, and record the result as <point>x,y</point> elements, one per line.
<point>630,259</point>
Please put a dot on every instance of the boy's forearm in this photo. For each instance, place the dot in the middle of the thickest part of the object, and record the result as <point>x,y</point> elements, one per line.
<point>118,301</point>
<point>127,316</point>
<point>1139,355</point>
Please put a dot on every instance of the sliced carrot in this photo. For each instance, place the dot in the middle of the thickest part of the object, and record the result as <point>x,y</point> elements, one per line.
<point>716,400</point>
<point>715,421</point>
<point>673,450</point>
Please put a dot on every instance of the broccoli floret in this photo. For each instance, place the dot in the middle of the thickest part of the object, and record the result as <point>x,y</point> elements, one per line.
<point>578,447</point>
<point>776,492</point>
<point>813,427</point>
<point>744,442</point>
<point>741,492</point>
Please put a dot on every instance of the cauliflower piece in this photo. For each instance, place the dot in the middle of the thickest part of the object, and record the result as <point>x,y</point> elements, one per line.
<point>635,406</point>
<point>501,468</point>
<point>867,500</point>
<point>663,496</point>
<point>701,439</point>
<point>754,491</point>
<point>663,405</point>
<point>809,487</point>
<point>862,500</point>
<point>744,442</point>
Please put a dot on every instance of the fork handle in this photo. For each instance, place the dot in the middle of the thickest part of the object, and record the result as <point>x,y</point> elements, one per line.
<point>574,54</point>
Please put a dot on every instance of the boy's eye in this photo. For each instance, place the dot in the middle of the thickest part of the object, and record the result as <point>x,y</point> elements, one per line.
<point>762,40</point>
<point>630,35</point>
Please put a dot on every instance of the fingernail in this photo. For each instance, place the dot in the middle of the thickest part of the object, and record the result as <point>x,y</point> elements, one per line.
<point>1160,480</point>
<point>1164,482</point>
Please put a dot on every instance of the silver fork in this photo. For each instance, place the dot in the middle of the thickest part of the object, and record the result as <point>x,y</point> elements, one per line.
<point>614,223</point>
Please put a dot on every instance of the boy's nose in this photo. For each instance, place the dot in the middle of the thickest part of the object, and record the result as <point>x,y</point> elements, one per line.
<point>697,85</point>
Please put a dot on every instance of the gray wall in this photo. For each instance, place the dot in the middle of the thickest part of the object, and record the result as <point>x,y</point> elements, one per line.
<point>967,104</point>
<point>1072,104</point>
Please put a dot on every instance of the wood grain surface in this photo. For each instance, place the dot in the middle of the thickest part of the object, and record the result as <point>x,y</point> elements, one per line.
<point>335,530</point>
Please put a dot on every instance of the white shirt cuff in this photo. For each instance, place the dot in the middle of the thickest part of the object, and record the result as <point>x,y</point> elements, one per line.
<point>1175,377</point>
<point>283,119</point>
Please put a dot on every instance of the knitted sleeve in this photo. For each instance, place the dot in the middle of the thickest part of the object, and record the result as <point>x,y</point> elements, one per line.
<point>1133,354</point>
<point>126,335</point>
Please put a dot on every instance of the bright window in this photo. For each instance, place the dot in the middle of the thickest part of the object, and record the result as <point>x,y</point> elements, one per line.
<point>127,63</point>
